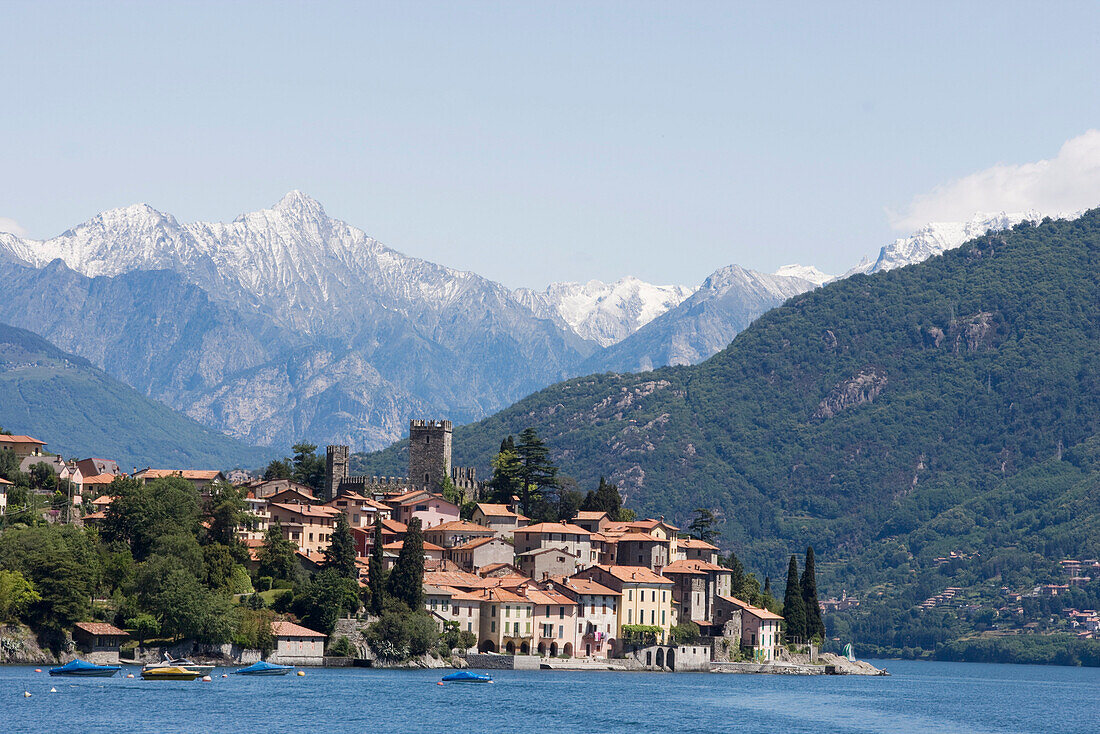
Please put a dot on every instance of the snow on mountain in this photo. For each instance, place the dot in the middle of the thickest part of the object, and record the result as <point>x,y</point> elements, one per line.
<point>805,272</point>
<point>605,313</point>
<point>938,237</point>
<point>703,324</point>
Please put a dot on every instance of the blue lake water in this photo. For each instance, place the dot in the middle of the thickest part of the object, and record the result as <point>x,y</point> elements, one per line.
<point>941,697</point>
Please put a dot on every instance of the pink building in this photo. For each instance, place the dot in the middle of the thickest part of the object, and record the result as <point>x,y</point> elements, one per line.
<point>431,509</point>
<point>555,620</point>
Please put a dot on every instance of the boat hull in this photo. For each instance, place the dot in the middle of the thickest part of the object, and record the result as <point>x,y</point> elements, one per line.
<point>266,672</point>
<point>170,674</point>
<point>85,673</point>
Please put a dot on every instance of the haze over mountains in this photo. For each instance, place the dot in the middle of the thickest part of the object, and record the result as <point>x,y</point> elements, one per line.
<point>287,323</point>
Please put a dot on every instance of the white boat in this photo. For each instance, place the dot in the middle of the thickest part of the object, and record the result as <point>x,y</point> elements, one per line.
<point>184,663</point>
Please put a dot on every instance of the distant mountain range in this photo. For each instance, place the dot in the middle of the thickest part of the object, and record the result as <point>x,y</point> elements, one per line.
<point>80,412</point>
<point>287,323</point>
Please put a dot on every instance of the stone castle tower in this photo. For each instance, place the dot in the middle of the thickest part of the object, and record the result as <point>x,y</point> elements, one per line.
<point>336,469</point>
<point>429,452</point>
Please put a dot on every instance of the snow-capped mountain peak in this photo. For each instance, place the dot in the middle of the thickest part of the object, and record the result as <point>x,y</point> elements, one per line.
<point>805,272</point>
<point>605,313</point>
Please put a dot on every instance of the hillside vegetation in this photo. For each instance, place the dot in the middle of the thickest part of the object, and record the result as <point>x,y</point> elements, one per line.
<point>81,411</point>
<point>856,416</point>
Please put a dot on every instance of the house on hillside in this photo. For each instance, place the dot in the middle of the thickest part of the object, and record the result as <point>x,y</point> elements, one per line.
<point>759,630</point>
<point>307,526</point>
<point>22,446</point>
<point>645,595</point>
<point>93,467</point>
<point>500,518</point>
<point>431,509</point>
<point>4,485</point>
<point>597,613</point>
<point>480,552</point>
<point>200,479</point>
<point>543,562</point>
<point>566,536</point>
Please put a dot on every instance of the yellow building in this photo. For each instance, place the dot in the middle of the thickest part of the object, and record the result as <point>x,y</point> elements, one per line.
<point>645,596</point>
<point>506,619</point>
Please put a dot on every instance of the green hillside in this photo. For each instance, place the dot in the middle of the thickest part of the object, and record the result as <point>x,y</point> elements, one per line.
<point>80,411</point>
<point>880,418</point>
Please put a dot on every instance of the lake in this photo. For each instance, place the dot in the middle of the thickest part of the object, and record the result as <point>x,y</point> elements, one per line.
<point>942,697</point>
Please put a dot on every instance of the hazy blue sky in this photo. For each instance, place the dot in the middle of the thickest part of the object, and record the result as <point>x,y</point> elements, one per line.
<point>540,142</point>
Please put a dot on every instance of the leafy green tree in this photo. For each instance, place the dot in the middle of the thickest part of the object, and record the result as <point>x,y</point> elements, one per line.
<point>737,574</point>
<point>815,627</point>
<point>309,468</point>
<point>227,512</point>
<point>219,565</point>
<point>277,555</point>
<point>569,499</point>
<point>63,566</point>
<point>340,554</point>
<point>143,626</point>
<point>702,526</point>
<point>794,610</point>
<point>142,513</point>
<point>376,570</point>
<point>324,598</point>
<point>278,469</point>
<point>17,594</point>
<point>341,648</point>
<point>406,580</point>
<point>9,465</point>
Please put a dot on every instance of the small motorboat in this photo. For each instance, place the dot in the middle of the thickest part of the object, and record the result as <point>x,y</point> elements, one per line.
<point>465,676</point>
<point>170,673</point>
<point>168,662</point>
<point>264,668</point>
<point>83,668</point>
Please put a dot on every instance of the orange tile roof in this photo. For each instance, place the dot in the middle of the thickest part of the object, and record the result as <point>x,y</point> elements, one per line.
<point>308,510</point>
<point>399,544</point>
<point>394,526</point>
<point>589,515</point>
<point>100,628</point>
<point>4,438</point>
<point>489,568</point>
<point>95,516</point>
<point>554,527</point>
<point>692,565</point>
<point>491,510</point>
<point>547,598</point>
<point>289,629</point>
<point>635,574</point>
<point>457,579</point>
<point>695,543</point>
<point>460,525</point>
<point>499,594</point>
<point>185,473</point>
<point>405,496</point>
<point>99,479</point>
<point>650,523</point>
<point>640,538</point>
<point>584,586</point>
<point>477,543</point>
<point>755,611</point>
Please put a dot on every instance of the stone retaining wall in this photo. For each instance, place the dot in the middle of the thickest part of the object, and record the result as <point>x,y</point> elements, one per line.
<point>485,661</point>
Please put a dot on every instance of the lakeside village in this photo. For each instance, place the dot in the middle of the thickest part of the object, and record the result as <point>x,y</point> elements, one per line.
<point>313,566</point>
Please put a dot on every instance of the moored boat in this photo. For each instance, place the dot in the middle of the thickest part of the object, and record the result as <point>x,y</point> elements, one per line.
<point>170,673</point>
<point>465,676</point>
<point>168,662</point>
<point>264,668</point>
<point>83,668</point>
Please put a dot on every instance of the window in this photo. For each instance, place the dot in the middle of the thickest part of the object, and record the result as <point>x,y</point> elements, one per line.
<point>652,616</point>
<point>663,595</point>
<point>630,616</point>
<point>493,626</point>
<point>662,616</point>
<point>530,610</point>
<point>561,612</point>
<point>629,595</point>
<point>494,611</point>
<point>507,611</point>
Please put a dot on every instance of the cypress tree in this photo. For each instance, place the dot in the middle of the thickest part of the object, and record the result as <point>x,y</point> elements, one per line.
<point>376,568</point>
<point>340,554</point>
<point>406,580</point>
<point>794,610</point>
<point>737,575</point>
<point>815,627</point>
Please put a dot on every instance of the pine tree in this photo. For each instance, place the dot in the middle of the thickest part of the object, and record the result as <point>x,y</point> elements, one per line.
<point>507,472</point>
<point>702,527</point>
<point>376,569</point>
<point>537,475</point>
<point>607,499</point>
<point>406,581</point>
<point>277,555</point>
<point>340,554</point>
<point>793,608</point>
<point>815,627</point>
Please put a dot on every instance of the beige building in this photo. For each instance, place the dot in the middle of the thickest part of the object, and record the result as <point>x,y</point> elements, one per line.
<point>542,563</point>
<point>458,532</point>
<point>697,584</point>
<point>555,620</point>
<point>645,596</point>
<point>479,553</point>
<point>506,621</point>
<point>307,526</point>
<point>761,630</point>
<point>567,536</point>
<point>22,446</point>
<point>500,518</point>
<point>4,485</point>
<point>359,510</point>
<point>693,549</point>
<point>597,614</point>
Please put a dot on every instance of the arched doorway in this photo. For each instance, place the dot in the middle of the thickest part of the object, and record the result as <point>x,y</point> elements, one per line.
<point>568,651</point>
<point>587,650</point>
<point>609,646</point>
<point>510,648</point>
<point>660,657</point>
<point>553,649</point>
<point>648,658</point>
<point>671,659</point>
<point>542,649</point>
<point>487,646</point>
<point>524,649</point>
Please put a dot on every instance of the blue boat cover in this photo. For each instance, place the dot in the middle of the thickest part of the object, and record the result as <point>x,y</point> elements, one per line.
<point>467,676</point>
<point>78,665</point>
<point>262,666</point>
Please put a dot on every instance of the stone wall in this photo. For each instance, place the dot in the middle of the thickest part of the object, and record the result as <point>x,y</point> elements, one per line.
<point>485,661</point>
<point>676,658</point>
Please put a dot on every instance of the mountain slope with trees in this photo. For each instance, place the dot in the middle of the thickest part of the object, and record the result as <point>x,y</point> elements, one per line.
<point>854,412</point>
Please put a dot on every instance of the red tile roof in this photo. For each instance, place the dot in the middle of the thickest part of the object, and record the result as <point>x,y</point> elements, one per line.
<point>289,629</point>
<point>695,543</point>
<point>100,628</point>
<point>4,438</point>
<point>554,527</point>
<point>460,525</point>
<point>477,543</point>
<point>491,510</point>
<point>755,611</point>
<point>635,574</point>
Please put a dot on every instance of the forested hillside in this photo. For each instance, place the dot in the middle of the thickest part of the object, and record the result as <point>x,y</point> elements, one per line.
<point>868,409</point>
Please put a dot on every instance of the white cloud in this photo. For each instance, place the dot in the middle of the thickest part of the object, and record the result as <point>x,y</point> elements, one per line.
<point>1067,183</point>
<point>12,226</point>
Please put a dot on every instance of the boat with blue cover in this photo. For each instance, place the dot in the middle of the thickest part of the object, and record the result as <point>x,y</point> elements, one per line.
<point>264,668</point>
<point>465,676</point>
<point>83,668</point>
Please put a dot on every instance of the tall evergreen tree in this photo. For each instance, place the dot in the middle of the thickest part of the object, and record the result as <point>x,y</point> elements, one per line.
<point>538,475</point>
<point>702,526</point>
<point>815,626</point>
<point>737,575</point>
<point>606,498</point>
<point>507,472</point>
<point>340,554</point>
<point>376,570</point>
<point>277,558</point>
<point>794,610</point>
<point>406,580</point>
